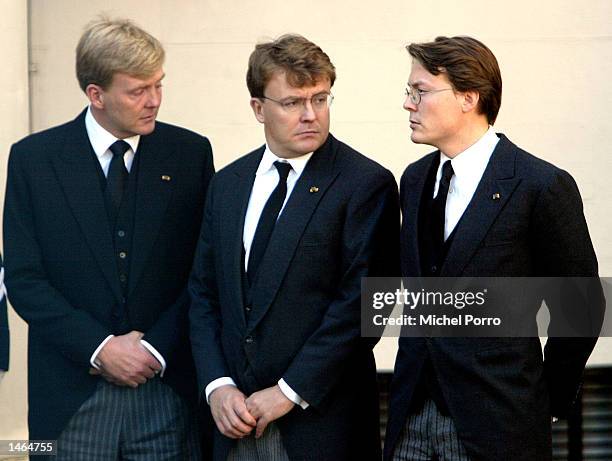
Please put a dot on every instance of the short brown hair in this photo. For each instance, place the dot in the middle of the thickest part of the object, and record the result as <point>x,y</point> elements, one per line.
<point>469,65</point>
<point>108,46</point>
<point>302,61</point>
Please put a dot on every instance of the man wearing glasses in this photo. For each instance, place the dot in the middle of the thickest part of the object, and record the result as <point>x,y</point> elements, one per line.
<point>479,206</point>
<point>288,232</point>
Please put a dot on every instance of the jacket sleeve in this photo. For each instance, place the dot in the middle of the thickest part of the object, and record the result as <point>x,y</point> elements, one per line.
<point>62,326</point>
<point>204,314</point>
<point>563,248</point>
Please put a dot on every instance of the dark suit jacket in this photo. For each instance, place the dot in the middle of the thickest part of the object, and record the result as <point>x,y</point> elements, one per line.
<point>500,392</point>
<point>61,270</point>
<point>304,325</point>
<point>4,333</point>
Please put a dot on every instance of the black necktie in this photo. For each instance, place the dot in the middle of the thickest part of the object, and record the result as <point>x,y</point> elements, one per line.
<point>439,204</point>
<point>117,174</point>
<point>267,220</point>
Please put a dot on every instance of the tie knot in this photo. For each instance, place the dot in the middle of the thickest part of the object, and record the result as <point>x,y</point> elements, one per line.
<point>119,147</point>
<point>283,170</point>
<point>447,172</point>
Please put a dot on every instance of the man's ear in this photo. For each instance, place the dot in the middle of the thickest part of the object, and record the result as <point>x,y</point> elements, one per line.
<point>257,106</point>
<point>95,94</point>
<point>470,100</point>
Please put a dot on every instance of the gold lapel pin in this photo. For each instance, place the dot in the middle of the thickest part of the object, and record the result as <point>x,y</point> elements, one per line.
<point>314,189</point>
<point>496,196</point>
<point>165,177</point>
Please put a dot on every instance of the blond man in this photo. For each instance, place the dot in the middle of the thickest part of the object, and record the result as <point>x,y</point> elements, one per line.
<point>101,220</point>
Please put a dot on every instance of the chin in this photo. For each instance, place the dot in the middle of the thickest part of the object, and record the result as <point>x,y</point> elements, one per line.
<point>309,146</point>
<point>415,138</point>
<point>147,129</point>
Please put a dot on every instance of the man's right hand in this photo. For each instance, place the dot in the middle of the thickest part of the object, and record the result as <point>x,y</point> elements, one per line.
<point>230,413</point>
<point>125,360</point>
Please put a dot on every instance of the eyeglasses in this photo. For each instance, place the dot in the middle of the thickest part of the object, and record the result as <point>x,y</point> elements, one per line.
<point>415,94</point>
<point>318,102</point>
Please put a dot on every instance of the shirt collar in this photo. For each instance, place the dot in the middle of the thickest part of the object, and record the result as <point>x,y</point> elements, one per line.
<point>267,162</point>
<point>101,139</point>
<point>476,157</point>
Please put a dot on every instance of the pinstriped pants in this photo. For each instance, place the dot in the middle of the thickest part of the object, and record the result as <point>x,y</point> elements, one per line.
<point>150,422</point>
<point>429,435</point>
<point>269,447</point>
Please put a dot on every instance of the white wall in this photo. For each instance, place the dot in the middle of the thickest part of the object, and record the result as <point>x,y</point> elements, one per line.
<point>14,120</point>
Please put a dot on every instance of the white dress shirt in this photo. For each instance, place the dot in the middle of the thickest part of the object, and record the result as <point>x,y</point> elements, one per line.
<point>468,167</point>
<point>266,180</point>
<point>101,140</point>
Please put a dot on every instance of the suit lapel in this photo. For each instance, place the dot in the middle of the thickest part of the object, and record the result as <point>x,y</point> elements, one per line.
<point>302,203</point>
<point>414,190</point>
<point>232,226</point>
<point>77,174</point>
<point>152,196</point>
<point>493,192</point>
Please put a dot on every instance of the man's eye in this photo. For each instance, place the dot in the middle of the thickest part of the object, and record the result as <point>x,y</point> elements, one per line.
<point>290,103</point>
<point>320,99</point>
<point>137,92</point>
<point>421,92</point>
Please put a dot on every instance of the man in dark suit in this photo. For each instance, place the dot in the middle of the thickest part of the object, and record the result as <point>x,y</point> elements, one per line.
<point>101,221</point>
<point>4,328</point>
<point>480,206</point>
<point>289,230</point>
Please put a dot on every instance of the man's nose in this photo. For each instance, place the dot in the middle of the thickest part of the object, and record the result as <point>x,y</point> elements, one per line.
<point>308,112</point>
<point>153,97</point>
<point>409,105</point>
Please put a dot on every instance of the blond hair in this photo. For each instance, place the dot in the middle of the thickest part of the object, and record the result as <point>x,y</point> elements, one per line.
<point>108,46</point>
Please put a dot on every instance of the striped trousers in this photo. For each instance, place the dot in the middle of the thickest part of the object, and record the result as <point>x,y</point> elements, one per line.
<point>269,447</point>
<point>117,423</point>
<point>429,436</point>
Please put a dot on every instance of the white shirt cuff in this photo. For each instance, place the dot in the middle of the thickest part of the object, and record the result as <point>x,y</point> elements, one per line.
<point>94,356</point>
<point>291,395</point>
<point>155,354</point>
<point>2,287</point>
<point>217,383</point>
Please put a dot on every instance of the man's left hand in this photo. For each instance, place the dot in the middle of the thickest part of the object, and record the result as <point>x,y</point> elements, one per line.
<point>266,406</point>
<point>106,376</point>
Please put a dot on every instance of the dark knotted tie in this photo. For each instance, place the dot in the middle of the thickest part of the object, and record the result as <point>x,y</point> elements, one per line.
<point>117,177</point>
<point>267,220</point>
<point>439,204</point>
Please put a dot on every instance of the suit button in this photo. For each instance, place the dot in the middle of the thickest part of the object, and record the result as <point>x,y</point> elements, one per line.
<point>248,340</point>
<point>248,308</point>
<point>122,254</point>
<point>434,269</point>
<point>123,278</point>
<point>121,233</point>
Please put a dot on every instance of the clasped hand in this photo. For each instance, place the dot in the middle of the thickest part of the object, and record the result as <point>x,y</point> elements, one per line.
<point>124,361</point>
<point>237,415</point>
